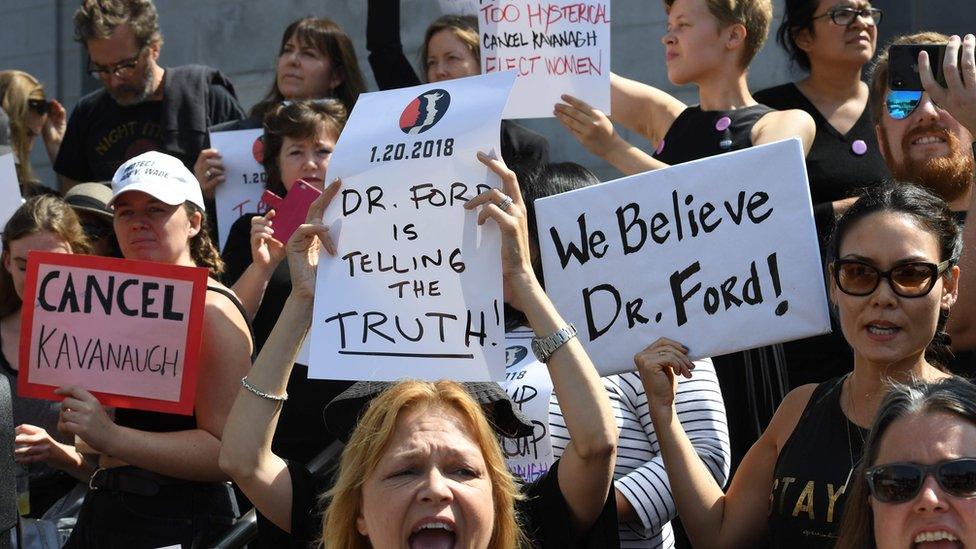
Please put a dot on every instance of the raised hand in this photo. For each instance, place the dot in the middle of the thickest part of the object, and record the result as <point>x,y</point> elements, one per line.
<point>266,250</point>
<point>303,247</point>
<point>209,169</point>
<point>959,97</point>
<point>658,363</point>
<point>589,126</point>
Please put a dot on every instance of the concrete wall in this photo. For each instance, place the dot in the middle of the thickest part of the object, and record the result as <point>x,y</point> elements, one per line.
<point>241,38</point>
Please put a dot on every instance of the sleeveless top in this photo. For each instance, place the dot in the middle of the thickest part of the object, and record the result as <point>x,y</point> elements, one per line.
<point>812,472</point>
<point>698,134</point>
<point>159,422</point>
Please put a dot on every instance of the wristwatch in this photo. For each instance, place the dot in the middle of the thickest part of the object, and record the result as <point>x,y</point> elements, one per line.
<point>544,347</point>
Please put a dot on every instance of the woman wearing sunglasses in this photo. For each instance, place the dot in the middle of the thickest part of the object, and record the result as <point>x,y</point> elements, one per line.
<point>31,115</point>
<point>917,480</point>
<point>892,281</point>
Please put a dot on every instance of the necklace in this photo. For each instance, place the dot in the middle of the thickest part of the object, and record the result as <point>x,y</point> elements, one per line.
<point>848,421</point>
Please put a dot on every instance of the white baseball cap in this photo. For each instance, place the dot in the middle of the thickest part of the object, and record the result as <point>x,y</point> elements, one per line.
<point>159,175</point>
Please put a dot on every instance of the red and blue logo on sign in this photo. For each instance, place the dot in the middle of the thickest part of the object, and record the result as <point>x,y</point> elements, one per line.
<point>425,111</point>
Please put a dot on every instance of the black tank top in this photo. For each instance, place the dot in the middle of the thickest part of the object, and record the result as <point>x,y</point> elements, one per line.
<point>812,472</point>
<point>698,134</point>
<point>159,422</point>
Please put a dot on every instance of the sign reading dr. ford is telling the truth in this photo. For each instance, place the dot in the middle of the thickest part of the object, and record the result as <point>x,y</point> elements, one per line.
<point>415,289</point>
<point>128,331</point>
<point>719,254</point>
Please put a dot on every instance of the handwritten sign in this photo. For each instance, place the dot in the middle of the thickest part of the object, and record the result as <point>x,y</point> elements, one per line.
<point>528,385</point>
<point>241,192</point>
<point>9,189</point>
<point>129,331</point>
<point>557,47</point>
<point>460,7</point>
<point>720,254</point>
<point>415,291</point>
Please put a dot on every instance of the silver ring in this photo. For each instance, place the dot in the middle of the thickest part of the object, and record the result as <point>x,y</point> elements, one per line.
<point>209,174</point>
<point>506,203</point>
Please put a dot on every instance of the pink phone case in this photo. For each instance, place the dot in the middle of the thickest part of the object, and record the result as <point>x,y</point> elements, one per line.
<point>290,211</point>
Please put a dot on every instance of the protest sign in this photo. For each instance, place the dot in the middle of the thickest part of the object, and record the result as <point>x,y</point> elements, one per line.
<point>528,384</point>
<point>460,7</point>
<point>9,189</point>
<point>128,331</point>
<point>557,47</point>
<point>719,254</point>
<point>415,289</point>
<point>240,193</point>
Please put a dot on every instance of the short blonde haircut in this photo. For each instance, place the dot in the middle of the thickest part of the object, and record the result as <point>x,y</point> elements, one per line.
<point>16,87</point>
<point>754,15</point>
<point>368,443</point>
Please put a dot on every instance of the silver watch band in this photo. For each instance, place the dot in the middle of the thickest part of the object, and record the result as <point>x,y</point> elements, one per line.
<point>544,347</point>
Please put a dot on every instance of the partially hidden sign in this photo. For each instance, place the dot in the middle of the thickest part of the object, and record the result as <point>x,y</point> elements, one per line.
<point>415,290</point>
<point>719,254</point>
<point>241,152</point>
<point>128,331</point>
<point>557,47</point>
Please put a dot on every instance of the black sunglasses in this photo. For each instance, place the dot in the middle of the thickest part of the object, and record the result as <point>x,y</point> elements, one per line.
<point>40,106</point>
<point>122,69</point>
<point>915,279</point>
<point>846,16</point>
<point>901,482</point>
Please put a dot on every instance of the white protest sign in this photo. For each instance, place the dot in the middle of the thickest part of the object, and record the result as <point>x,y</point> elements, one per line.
<point>9,189</point>
<point>415,289</point>
<point>241,192</point>
<point>557,47</point>
<point>460,7</point>
<point>719,254</point>
<point>528,384</point>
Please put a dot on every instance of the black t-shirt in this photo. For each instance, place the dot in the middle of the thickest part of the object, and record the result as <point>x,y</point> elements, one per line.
<point>544,514</point>
<point>102,134</point>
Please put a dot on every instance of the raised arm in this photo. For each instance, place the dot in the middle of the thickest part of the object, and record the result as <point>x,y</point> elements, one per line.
<point>586,467</point>
<point>712,518</point>
<point>246,454</point>
<point>642,108</point>
<point>266,254</point>
<point>391,69</point>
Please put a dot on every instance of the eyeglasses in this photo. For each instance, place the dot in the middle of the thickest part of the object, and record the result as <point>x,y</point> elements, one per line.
<point>122,69</point>
<point>901,482</point>
<point>40,106</point>
<point>902,103</point>
<point>846,16</point>
<point>914,279</point>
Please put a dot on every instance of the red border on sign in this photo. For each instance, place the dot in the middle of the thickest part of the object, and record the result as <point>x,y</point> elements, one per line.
<point>198,276</point>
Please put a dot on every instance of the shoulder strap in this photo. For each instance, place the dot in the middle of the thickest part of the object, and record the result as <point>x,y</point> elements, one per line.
<point>240,307</point>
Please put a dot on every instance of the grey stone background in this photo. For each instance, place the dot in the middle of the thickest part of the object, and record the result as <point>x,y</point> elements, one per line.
<point>241,38</point>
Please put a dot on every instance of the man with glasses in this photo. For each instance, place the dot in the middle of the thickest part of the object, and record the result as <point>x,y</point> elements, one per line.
<point>141,105</point>
<point>927,137</point>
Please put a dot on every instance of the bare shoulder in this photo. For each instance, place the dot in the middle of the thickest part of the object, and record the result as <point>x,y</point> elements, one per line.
<point>779,125</point>
<point>788,413</point>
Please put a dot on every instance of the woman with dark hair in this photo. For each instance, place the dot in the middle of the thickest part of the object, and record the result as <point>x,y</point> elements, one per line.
<point>892,280</point>
<point>451,49</point>
<point>916,481</point>
<point>316,60</point>
<point>158,482</point>
<point>831,40</point>
<point>298,142</point>
<point>43,223</point>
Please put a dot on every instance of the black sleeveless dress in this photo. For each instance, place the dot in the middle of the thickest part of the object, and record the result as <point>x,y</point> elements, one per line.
<point>698,134</point>
<point>812,472</point>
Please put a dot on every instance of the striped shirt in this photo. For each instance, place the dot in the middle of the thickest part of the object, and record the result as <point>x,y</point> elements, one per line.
<point>639,472</point>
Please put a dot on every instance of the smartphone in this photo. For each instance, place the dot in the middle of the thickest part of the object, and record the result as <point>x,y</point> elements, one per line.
<point>903,65</point>
<point>290,211</point>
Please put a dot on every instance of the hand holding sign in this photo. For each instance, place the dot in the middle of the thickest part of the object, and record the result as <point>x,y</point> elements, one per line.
<point>209,169</point>
<point>83,415</point>
<point>303,246</point>
<point>589,126</point>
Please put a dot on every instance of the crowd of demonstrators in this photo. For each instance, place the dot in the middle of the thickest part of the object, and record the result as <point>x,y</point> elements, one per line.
<point>451,49</point>
<point>891,176</point>
<point>316,60</point>
<point>298,142</point>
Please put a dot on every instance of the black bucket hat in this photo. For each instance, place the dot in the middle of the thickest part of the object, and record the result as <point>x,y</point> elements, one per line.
<point>342,414</point>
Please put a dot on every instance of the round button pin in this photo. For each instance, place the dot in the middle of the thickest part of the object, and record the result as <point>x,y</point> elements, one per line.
<point>723,123</point>
<point>660,147</point>
<point>859,147</point>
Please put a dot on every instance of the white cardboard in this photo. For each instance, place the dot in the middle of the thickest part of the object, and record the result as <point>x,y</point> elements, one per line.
<point>643,278</point>
<point>9,189</point>
<point>241,192</point>
<point>557,47</point>
<point>414,145</point>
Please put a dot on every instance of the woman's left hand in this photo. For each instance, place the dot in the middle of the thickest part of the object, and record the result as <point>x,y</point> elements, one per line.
<point>83,415</point>
<point>54,127</point>
<point>516,259</point>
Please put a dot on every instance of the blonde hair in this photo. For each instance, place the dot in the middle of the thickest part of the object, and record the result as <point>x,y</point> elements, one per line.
<point>16,87</point>
<point>368,442</point>
<point>754,15</point>
<point>464,27</point>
